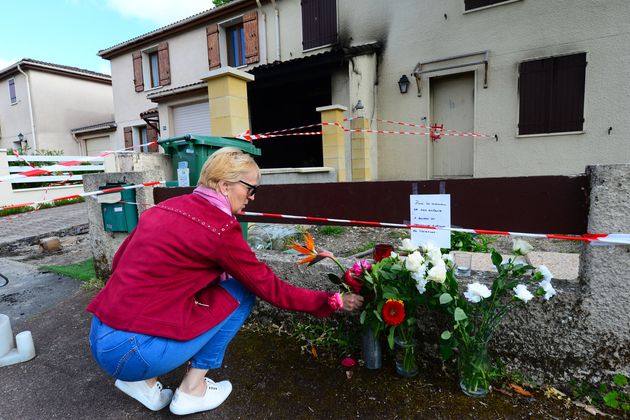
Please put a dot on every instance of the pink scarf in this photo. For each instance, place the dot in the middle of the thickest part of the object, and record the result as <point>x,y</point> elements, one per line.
<point>215,198</point>
<point>219,201</point>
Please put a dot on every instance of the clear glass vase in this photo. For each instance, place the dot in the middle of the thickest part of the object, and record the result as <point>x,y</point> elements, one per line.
<point>405,356</point>
<point>371,348</point>
<point>474,370</point>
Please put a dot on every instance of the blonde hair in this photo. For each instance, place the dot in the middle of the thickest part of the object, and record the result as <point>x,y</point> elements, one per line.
<point>226,164</point>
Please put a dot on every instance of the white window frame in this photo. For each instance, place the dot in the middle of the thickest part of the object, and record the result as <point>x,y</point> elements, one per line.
<point>146,68</point>
<point>223,38</point>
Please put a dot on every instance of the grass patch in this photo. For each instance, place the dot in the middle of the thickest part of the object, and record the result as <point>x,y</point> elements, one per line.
<point>331,230</point>
<point>363,247</point>
<point>83,271</point>
<point>25,209</point>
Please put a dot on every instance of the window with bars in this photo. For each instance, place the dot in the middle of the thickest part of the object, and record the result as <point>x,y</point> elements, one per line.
<point>551,94</point>
<point>12,95</point>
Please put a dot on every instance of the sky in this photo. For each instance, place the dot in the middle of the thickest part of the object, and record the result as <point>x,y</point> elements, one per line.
<point>72,32</point>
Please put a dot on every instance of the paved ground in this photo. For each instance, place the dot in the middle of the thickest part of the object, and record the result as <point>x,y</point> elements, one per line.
<point>47,222</point>
<point>271,377</point>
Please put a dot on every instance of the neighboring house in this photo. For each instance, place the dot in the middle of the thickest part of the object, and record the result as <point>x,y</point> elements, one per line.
<point>546,77</point>
<point>41,103</point>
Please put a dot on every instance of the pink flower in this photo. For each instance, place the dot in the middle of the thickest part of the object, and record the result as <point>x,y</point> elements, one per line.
<point>357,269</point>
<point>367,266</point>
<point>348,362</point>
<point>335,301</point>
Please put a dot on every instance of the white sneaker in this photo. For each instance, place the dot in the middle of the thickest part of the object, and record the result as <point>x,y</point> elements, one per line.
<point>154,398</point>
<point>216,393</point>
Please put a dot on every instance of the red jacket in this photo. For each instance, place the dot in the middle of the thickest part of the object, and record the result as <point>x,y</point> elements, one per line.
<point>163,274</point>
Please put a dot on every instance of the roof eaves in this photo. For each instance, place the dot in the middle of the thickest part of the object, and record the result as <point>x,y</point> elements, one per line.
<point>58,68</point>
<point>176,27</point>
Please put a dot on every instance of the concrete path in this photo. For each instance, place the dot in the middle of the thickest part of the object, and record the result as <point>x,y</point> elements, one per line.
<point>42,223</point>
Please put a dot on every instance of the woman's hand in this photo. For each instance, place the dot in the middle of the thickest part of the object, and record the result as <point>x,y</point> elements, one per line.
<point>352,302</point>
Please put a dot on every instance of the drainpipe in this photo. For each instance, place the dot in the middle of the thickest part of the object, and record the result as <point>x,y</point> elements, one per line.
<point>74,136</point>
<point>275,8</point>
<point>263,35</point>
<point>30,107</point>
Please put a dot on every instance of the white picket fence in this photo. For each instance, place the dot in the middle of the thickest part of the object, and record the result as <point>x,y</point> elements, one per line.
<point>12,196</point>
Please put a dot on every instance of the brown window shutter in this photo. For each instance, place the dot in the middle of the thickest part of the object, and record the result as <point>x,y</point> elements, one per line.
<point>567,101</point>
<point>138,80</point>
<point>128,138</point>
<point>214,56</point>
<point>328,21</point>
<point>164,65</point>
<point>152,135</point>
<point>250,27</point>
<point>310,27</point>
<point>534,89</point>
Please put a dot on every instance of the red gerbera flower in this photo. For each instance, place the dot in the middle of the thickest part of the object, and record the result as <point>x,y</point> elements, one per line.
<point>393,312</point>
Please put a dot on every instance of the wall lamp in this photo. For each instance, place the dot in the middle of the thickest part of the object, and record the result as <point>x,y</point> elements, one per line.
<point>22,140</point>
<point>403,83</point>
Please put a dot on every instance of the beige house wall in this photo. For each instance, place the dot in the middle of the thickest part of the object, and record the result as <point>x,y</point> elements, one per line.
<point>59,104</point>
<point>14,118</point>
<point>413,31</point>
<point>419,31</point>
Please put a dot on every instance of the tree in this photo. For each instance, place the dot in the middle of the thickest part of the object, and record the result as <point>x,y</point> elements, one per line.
<point>218,3</point>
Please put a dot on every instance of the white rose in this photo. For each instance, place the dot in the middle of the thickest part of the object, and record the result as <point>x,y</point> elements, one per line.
<point>420,285</point>
<point>477,291</point>
<point>547,274</point>
<point>393,255</point>
<point>522,293</point>
<point>414,261</point>
<point>437,273</point>
<point>548,288</point>
<point>408,246</point>
<point>438,262</point>
<point>521,247</point>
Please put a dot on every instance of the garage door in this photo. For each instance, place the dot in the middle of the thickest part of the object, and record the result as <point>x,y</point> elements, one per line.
<point>98,145</point>
<point>192,119</point>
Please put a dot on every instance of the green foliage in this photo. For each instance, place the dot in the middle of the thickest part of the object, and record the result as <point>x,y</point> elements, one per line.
<point>25,209</point>
<point>469,242</point>
<point>614,396</point>
<point>331,230</point>
<point>334,340</point>
<point>83,271</point>
<point>218,3</point>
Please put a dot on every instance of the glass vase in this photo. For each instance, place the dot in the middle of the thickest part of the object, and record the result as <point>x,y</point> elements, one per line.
<point>474,370</point>
<point>405,356</point>
<point>371,348</point>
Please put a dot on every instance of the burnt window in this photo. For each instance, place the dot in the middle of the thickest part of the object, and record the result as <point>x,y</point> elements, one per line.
<point>12,94</point>
<point>476,4</point>
<point>235,38</point>
<point>319,23</point>
<point>551,94</point>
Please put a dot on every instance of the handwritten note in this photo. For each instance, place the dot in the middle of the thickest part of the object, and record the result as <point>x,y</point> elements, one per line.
<point>431,210</point>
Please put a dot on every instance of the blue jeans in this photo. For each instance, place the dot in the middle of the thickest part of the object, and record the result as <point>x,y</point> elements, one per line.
<point>134,357</point>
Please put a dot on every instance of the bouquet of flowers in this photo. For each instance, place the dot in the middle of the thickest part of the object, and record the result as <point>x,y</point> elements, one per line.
<point>477,313</point>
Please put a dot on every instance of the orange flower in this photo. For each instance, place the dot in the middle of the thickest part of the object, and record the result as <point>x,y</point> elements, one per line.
<point>393,312</point>
<point>309,250</point>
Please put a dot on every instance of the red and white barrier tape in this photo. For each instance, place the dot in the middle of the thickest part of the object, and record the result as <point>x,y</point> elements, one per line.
<point>87,194</point>
<point>437,128</point>
<point>63,166</point>
<point>593,238</point>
